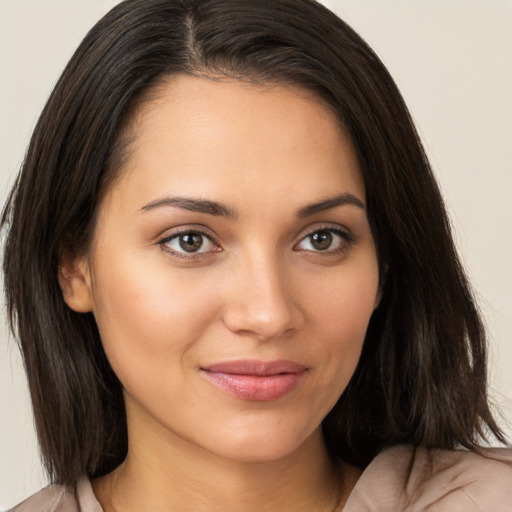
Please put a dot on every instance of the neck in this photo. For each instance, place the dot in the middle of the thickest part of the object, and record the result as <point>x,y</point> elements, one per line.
<point>167,476</point>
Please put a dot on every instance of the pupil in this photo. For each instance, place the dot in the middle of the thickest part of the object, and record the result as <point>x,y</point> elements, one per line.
<point>321,240</point>
<point>191,242</point>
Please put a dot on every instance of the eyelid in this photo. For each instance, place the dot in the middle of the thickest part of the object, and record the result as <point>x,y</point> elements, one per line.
<point>183,230</point>
<point>169,235</point>
<point>336,229</point>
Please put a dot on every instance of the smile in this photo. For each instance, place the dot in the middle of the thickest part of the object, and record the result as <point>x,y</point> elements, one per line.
<point>256,380</point>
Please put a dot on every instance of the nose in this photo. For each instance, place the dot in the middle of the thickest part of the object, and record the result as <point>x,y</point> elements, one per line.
<point>261,301</point>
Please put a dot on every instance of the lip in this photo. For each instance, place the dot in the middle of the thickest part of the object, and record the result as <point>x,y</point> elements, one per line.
<point>253,380</point>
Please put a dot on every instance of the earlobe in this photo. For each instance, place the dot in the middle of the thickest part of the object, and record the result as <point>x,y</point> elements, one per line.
<point>75,282</point>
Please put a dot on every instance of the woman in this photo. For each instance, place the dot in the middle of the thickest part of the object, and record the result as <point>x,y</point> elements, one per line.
<point>237,289</point>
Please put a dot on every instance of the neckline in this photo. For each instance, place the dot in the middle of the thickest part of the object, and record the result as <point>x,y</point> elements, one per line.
<point>89,503</point>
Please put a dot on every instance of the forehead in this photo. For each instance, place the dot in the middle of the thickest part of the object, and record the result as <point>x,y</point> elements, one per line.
<point>197,135</point>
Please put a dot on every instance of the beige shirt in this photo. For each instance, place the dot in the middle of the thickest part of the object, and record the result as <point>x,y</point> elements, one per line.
<point>401,479</point>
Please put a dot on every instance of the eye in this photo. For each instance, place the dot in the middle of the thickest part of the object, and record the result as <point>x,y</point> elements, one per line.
<point>324,240</point>
<point>189,242</point>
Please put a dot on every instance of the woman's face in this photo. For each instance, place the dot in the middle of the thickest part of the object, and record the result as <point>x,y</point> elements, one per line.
<point>232,272</point>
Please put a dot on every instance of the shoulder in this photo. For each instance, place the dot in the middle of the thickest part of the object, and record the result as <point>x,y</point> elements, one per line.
<point>57,498</point>
<point>460,480</point>
<point>414,479</point>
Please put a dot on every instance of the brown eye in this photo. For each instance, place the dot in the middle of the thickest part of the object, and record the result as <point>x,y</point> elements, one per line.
<point>189,242</point>
<point>325,240</point>
<point>321,240</point>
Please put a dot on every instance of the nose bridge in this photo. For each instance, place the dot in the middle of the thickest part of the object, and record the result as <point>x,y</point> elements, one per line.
<point>260,301</point>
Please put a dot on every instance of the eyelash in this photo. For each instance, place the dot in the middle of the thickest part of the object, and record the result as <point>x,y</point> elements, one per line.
<point>185,255</point>
<point>345,236</point>
<point>347,241</point>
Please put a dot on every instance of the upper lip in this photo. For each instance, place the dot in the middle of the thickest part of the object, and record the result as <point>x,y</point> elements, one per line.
<point>255,367</point>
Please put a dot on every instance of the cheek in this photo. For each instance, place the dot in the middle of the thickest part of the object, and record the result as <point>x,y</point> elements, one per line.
<point>345,300</point>
<point>340,308</point>
<point>146,316</point>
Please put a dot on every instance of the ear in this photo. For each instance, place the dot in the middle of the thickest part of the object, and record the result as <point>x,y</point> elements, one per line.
<point>75,282</point>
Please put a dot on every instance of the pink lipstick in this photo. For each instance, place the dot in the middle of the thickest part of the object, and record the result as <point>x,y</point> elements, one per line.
<point>257,381</point>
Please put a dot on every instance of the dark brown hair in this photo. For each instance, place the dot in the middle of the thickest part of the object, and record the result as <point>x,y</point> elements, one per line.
<point>421,378</point>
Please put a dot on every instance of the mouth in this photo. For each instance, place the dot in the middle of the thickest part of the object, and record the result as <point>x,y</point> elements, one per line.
<point>258,381</point>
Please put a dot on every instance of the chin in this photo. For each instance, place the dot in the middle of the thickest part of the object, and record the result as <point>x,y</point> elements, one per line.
<point>266,444</point>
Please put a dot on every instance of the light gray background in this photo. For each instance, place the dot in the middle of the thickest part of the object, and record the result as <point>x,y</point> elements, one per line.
<point>453,62</point>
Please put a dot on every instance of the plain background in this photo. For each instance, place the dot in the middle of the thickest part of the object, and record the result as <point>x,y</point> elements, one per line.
<point>452,60</point>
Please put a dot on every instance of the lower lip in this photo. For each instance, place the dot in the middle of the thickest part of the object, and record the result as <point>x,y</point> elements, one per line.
<point>257,388</point>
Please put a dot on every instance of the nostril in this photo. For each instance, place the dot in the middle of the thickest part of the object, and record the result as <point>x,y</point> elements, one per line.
<point>260,300</point>
<point>248,319</point>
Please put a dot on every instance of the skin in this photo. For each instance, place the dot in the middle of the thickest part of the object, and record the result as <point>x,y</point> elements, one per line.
<point>258,288</point>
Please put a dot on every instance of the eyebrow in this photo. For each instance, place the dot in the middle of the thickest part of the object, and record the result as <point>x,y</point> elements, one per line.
<point>330,202</point>
<point>220,210</point>
<point>193,205</point>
